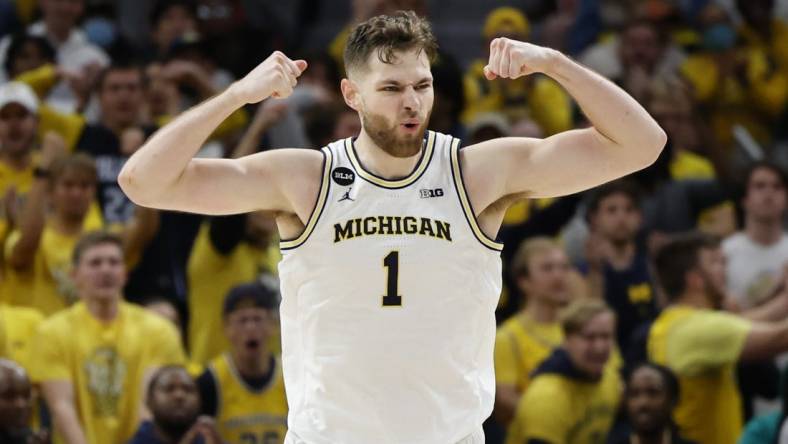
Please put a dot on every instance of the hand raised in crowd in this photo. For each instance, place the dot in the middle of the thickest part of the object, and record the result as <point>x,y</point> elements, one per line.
<point>510,59</point>
<point>185,72</point>
<point>598,251</point>
<point>53,146</point>
<point>276,77</point>
<point>163,96</point>
<point>82,81</point>
<point>269,113</point>
<point>638,82</point>
<point>131,140</point>
<point>11,206</point>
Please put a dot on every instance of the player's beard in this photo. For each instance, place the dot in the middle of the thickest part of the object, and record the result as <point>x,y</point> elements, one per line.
<point>385,135</point>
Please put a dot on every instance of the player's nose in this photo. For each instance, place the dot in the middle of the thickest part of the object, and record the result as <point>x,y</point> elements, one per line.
<point>410,99</point>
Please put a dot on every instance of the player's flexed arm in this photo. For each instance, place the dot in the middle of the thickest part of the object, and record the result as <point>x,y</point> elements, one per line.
<point>162,173</point>
<point>623,138</point>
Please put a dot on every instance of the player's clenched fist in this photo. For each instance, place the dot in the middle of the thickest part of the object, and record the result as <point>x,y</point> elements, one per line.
<point>511,59</point>
<point>276,76</point>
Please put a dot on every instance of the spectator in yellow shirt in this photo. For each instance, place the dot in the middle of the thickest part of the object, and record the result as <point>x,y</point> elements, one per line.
<point>38,252</point>
<point>736,85</point>
<point>537,98</point>
<point>702,344</point>
<point>93,360</point>
<point>18,327</point>
<point>18,124</point>
<point>575,392</point>
<point>244,387</point>
<point>228,251</point>
<point>542,271</point>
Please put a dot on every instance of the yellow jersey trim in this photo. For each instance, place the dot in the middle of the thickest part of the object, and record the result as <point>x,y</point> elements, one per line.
<point>426,156</point>
<point>328,160</point>
<point>470,216</point>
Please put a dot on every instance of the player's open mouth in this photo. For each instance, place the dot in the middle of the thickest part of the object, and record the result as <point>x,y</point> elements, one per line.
<point>252,344</point>
<point>410,126</point>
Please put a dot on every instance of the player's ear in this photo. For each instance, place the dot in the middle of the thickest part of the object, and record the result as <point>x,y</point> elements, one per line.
<point>350,93</point>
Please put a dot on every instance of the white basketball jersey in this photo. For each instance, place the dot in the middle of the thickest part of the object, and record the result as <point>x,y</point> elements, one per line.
<point>388,306</point>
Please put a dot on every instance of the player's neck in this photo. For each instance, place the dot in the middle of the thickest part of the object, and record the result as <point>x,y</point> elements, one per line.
<point>379,162</point>
<point>764,232</point>
<point>105,310</point>
<point>254,366</point>
<point>541,312</point>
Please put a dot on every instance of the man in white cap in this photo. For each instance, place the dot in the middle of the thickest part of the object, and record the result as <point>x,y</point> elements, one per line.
<point>18,127</point>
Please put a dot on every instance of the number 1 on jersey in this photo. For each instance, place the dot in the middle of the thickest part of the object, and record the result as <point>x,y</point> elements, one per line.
<point>391,261</point>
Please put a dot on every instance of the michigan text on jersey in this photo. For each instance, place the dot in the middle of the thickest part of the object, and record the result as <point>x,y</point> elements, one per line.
<point>392,225</point>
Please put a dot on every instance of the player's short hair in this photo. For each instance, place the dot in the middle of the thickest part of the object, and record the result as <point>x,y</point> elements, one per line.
<point>252,295</point>
<point>579,313</point>
<point>385,35</point>
<point>679,256</point>
<point>93,239</point>
<point>527,250</point>
<point>80,163</point>
<point>602,192</point>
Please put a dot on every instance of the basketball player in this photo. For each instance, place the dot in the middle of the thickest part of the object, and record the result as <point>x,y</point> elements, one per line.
<point>388,296</point>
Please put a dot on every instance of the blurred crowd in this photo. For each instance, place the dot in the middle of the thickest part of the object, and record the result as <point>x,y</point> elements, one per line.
<point>653,309</point>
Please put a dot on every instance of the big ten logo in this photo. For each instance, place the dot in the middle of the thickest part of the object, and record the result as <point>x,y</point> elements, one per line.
<point>427,193</point>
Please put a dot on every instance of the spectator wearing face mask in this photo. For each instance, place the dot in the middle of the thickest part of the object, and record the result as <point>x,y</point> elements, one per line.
<point>738,84</point>
<point>536,97</point>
